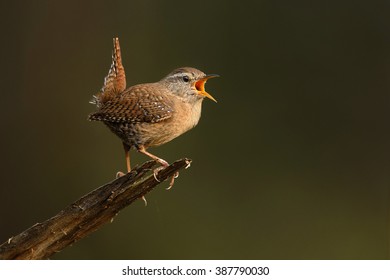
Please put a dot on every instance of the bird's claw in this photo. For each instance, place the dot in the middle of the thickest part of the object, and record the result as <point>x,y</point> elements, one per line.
<point>155,172</point>
<point>145,201</point>
<point>176,175</point>
<point>172,181</point>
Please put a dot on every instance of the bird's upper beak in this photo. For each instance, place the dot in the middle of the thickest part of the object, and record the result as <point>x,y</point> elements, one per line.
<point>199,85</point>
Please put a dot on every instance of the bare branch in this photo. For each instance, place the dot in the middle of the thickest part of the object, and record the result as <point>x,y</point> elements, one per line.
<point>87,214</point>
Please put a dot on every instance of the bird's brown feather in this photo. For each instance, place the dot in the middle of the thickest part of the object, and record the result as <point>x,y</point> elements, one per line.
<point>115,81</point>
<point>136,104</point>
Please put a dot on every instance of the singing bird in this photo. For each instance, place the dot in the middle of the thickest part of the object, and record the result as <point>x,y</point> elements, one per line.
<point>151,114</point>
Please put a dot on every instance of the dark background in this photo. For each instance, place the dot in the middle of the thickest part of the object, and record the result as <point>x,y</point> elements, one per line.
<point>292,162</point>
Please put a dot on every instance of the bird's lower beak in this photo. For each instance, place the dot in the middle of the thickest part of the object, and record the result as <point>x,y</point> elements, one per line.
<point>199,85</point>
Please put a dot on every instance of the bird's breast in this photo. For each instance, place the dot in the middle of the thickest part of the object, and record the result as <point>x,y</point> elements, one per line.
<point>184,118</point>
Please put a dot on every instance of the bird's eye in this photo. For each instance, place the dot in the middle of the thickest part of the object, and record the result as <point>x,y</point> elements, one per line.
<point>186,79</point>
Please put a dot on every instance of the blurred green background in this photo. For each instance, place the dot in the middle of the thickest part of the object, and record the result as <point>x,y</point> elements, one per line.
<point>292,163</point>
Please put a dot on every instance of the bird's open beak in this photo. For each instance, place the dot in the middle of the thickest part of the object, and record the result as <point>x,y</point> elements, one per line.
<point>199,85</point>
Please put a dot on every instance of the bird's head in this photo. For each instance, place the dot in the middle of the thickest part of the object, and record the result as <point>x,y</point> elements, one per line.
<point>189,83</point>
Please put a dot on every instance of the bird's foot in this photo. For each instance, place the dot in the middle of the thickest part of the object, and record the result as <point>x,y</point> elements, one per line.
<point>172,180</point>
<point>155,172</point>
<point>164,164</point>
<point>119,174</point>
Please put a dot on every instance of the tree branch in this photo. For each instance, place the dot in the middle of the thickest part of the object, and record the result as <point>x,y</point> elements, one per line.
<point>87,214</point>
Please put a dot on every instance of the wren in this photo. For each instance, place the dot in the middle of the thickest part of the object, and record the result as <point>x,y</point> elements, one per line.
<point>151,114</point>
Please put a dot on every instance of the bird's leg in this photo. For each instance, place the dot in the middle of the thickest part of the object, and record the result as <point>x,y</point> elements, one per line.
<point>127,156</point>
<point>164,164</point>
<point>142,150</point>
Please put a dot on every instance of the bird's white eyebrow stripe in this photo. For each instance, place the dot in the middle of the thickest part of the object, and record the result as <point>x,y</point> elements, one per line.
<point>180,74</point>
